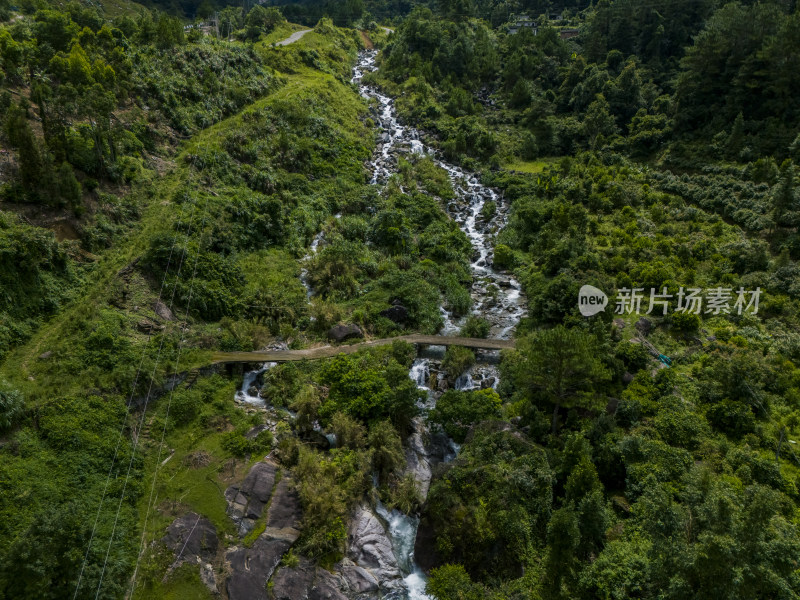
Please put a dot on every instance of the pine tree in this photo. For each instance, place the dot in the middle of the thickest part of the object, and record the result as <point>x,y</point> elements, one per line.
<point>783,196</point>
<point>68,186</point>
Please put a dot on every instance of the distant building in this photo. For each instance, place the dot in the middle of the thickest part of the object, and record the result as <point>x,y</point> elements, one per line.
<point>568,33</point>
<point>523,21</point>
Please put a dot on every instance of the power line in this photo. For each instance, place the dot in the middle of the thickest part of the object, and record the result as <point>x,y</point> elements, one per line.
<point>151,501</point>
<point>124,420</point>
<point>141,422</point>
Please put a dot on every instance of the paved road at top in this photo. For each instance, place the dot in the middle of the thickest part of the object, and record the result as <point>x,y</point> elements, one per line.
<point>293,38</point>
<point>298,34</point>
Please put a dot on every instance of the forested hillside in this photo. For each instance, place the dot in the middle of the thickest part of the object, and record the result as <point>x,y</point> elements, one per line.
<point>185,182</point>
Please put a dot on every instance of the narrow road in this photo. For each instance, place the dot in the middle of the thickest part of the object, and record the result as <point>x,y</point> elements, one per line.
<point>328,351</point>
<point>293,38</point>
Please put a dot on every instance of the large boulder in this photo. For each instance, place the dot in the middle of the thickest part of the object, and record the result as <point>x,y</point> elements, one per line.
<point>306,581</point>
<point>163,311</point>
<point>341,333</point>
<point>192,538</point>
<point>246,502</point>
<point>418,457</point>
<point>356,581</point>
<point>397,314</point>
<point>251,568</point>
<point>644,325</point>
<point>425,546</point>
<point>283,517</point>
<point>370,547</point>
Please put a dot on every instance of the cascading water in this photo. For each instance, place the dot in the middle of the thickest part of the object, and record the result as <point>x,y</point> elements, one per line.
<point>248,393</point>
<point>496,296</point>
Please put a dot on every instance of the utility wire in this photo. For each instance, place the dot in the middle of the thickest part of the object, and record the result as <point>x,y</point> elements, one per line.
<point>125,419</point>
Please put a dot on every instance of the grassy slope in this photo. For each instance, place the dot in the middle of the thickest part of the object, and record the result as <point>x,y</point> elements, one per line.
<point>201,490</point>
<point>34,474</point>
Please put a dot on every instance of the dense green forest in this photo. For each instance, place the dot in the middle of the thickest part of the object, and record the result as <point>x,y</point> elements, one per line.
<point>170,191</point>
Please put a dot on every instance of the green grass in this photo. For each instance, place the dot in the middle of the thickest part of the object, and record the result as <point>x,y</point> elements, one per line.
<point>68,371</point>
<point>183,584</point>
<point>195,489</point>
<point>530,166</point>
<point>120,8</point>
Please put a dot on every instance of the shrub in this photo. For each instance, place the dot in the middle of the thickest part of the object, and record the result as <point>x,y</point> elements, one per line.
<point>457,360</point>
<point>476,327</point>
<point>684,322</point>
<point>456,412</point>
<point>503,257</point>
<point>11,406</point>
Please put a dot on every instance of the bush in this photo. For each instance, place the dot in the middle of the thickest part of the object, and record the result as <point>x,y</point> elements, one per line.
<point>476,327</point>
<point>11,406</point>
<point>503,257</point>
<point>235,443</point>
<point>457,360</point>
<point>635,356</point>
<point>456,412</point>
<point>684,322</point>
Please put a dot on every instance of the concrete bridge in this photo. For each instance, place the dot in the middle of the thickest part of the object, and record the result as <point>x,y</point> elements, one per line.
<point>328,351</point>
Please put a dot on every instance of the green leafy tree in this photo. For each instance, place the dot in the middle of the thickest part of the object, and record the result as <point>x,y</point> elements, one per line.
<point>563,365</point>
<point>387,449</point>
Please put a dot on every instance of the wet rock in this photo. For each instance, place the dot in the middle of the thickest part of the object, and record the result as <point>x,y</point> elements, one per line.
<point>192,538</point>
<point>425,546</point>
<point>370,547</point>
<point>253,433</point>
<point>163,311</point>
<point>246,502</point>
<point>417,461</point>
<point>317,438</point>
<point>488,383</point>
<point>341,333</point>
<point>397,314</point>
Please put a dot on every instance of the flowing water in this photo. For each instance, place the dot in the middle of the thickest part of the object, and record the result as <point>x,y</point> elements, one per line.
<point>496,296</point>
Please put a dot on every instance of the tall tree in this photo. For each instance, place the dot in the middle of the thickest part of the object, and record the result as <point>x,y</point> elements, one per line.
<point>561,364</point>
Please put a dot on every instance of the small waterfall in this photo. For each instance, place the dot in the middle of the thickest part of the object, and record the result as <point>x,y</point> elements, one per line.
<point>249,382</point>
<point>403,533</point>
<point>420,372</point>
<point>312,250</point>
<point>464,382</point>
